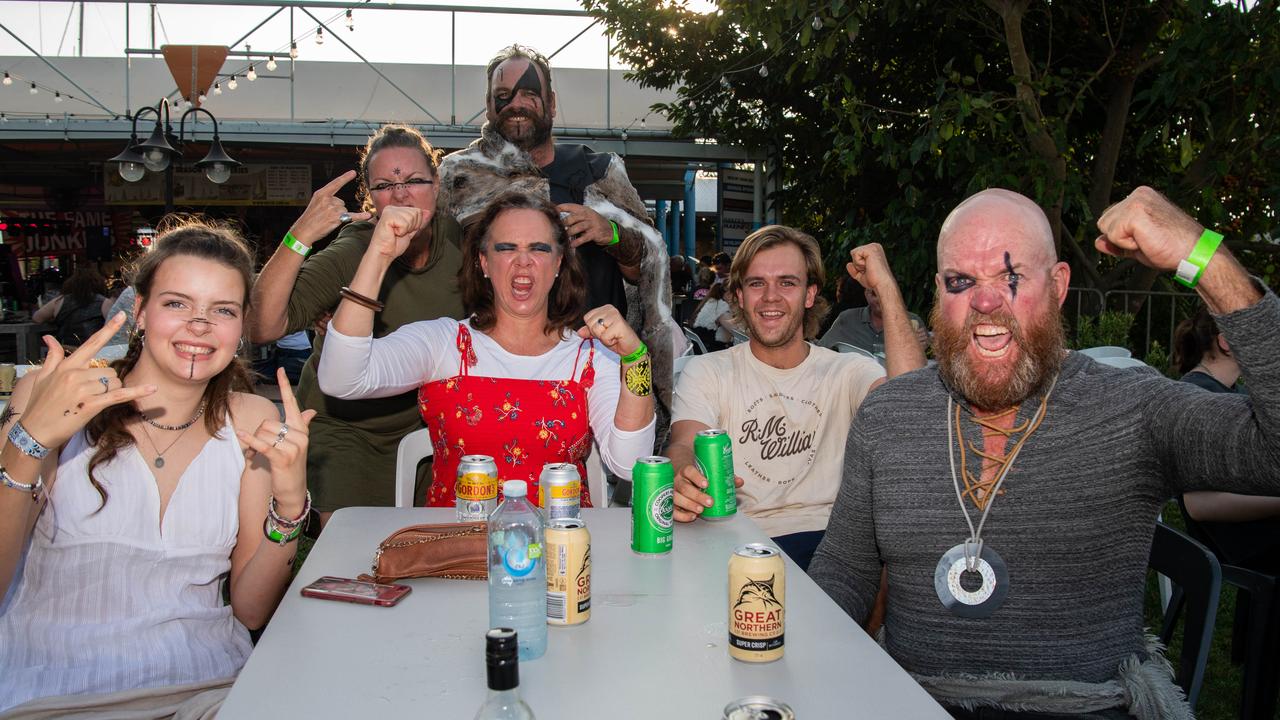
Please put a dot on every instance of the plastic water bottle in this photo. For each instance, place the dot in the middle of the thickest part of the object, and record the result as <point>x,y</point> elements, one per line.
<point>503,701</point>
<point>517,570</point>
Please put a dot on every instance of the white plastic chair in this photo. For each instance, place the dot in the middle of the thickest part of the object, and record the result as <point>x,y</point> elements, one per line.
<point>695,341</point>
<point>1107,351</point>
<point>844,347</point>
<point>1121,362</point>
<point>739,337</point>
<point>413,448</point>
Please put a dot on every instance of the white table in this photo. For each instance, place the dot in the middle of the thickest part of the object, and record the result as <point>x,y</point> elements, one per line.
<point>654,646</point>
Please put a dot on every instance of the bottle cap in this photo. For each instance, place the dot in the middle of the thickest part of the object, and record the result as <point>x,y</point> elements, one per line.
<point>515,488</point>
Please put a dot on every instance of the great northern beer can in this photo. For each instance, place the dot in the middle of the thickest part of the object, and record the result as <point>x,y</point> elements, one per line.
<point>757,603</point>
<point>560,491</point>
<point>652,495</point>
<point>568,556</point>
<point>758,707</point>
<point>476,488</point>
<point>713,454</point>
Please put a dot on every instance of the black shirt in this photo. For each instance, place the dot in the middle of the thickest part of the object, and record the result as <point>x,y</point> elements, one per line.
<point>573,169</point>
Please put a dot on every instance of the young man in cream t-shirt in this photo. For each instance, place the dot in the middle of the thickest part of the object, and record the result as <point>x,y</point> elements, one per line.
<point>786,405</point>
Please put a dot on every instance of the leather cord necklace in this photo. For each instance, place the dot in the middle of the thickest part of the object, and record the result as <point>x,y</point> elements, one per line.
<point>972,556</point>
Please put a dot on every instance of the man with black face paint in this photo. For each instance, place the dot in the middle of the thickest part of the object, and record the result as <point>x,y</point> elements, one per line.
<point>602,211</point>
<point>1011,491</point>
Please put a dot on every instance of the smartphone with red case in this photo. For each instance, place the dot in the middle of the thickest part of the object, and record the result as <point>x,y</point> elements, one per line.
<point>355,591</point>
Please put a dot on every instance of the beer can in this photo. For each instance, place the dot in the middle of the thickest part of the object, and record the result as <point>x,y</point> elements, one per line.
<point>713,454</point>
<point>560,491</point>
<point>652,495</point>
<point>476,488</point>
<point>757,603</point>
<point>758,707</point>
<point>568,554</point>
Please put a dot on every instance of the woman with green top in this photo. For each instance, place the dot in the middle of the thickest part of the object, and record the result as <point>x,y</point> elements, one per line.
<point>353,448</point>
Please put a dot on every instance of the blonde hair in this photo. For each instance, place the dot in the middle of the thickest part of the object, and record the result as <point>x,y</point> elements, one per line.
<point>771,236</point>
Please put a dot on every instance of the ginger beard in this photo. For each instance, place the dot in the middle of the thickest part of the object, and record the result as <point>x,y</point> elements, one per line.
<point>997,384</point>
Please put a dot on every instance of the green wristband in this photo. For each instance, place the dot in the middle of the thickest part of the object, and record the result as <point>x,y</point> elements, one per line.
<point>1190,270</point>
<point>295,244</point>
<point>635,354</point>
<point>272,532</point>
<point>616,239</point>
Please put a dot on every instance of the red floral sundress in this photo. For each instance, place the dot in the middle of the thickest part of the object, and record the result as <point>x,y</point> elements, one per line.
<point>522,424</point>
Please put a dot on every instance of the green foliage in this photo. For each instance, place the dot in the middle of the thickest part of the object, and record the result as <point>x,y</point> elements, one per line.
<point>885,114</point>
<point>1158,358</point>
<point>1109,328</point>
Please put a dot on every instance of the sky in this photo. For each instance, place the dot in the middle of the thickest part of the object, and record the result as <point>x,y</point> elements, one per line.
<point>398,36</point>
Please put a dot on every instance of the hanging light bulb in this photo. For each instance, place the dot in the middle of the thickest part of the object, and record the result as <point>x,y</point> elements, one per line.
<point>319,35</point>
<point>642,126</point>
<point>817,23</point>
<point>34,90</point>
<point>48,120</point>
<point>293,50</point>
<point>201,98</point>
<point>351,23</point>
<point>232,84</point>
<point>217,88</point>
<point>8,80</point>
<point>57,96</point>
<point>252,74</point>
<point>4,118</point>
<point>271,62</point>
<point>764,71</point>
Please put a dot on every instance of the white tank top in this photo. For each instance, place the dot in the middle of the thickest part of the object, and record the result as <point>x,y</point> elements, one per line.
<point>114,600</point>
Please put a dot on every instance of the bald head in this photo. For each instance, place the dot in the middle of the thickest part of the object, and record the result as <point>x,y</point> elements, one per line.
<point>997,215</point>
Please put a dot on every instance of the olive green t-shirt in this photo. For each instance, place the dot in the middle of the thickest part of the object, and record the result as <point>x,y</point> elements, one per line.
<point>351,460</point>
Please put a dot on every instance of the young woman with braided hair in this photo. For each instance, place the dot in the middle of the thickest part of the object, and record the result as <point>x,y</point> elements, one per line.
<point>130,492</point>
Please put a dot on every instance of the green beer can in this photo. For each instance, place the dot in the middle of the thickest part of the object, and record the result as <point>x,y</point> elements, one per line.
<point>652,495</point>
<point>713,454</point>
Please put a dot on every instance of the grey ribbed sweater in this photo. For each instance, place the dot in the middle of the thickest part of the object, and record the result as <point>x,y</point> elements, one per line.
<point>1075,519</point>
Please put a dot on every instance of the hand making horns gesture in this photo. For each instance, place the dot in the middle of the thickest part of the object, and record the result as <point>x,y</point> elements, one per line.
<point>283,444</point>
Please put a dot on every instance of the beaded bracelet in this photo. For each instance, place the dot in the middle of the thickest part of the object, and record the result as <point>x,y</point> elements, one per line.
<point>359,299</point>
<point>22,440</point>
<point>288,524</point>
<point>36,488</point>
<point>274,534</point>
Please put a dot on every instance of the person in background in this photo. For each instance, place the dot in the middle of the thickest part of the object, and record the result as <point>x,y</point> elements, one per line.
<point>153,480</point>
<point>76,313</point>
<point>713,319</point>
<point>784,402</point>
<point>1242,529</point>
<point>512,381</point>
<point>849,295</point>
<point>706,272</point>
<point>863,327</point>
<point>353,459</point>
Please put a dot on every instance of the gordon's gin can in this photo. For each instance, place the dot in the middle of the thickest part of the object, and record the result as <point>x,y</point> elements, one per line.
<point>757,603</point>
<point>568,557</point>
<point>560,491</point>
<point>476,488</point>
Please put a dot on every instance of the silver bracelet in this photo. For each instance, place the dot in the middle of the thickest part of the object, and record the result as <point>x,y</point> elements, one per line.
<point>22,440</point>
<point>282,523</point>
<point>36,488</point>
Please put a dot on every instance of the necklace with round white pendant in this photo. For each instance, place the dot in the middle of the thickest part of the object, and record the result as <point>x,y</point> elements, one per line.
<point>971,579</point>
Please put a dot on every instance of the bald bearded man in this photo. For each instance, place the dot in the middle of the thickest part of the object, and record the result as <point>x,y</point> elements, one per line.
<point>1011,492</point>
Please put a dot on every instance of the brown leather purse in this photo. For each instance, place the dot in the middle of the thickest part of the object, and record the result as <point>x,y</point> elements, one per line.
<point>458,551</point>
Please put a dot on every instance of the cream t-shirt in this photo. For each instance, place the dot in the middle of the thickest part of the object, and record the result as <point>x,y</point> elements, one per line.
<point>788,427</point>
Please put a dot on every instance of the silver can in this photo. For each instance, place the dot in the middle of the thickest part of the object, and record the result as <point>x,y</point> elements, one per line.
<point>560,491</point>
<point>758,707</point>
<point>476,488</point>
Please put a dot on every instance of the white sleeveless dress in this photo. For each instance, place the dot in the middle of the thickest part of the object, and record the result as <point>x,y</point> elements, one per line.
<point>115,600</point>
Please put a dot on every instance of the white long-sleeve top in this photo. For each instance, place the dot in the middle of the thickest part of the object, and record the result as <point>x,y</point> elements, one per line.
<point>421,352</point>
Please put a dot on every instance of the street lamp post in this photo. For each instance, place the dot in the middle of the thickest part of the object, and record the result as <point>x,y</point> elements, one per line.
<point>158,151</point>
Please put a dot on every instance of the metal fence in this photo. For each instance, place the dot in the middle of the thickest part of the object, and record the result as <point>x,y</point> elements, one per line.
<point>1154,311</point>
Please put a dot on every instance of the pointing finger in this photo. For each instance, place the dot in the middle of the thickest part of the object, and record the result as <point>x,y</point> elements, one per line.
<point>334,185</point>
<point>98,340</point>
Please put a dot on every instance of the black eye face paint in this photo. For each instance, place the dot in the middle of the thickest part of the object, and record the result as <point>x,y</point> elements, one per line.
<point>528,81</point>
<point>956,284</point>
<point>1013,276</point>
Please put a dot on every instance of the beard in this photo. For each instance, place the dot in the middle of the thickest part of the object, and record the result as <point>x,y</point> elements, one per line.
<point>781,336</point>
<point>991,384</point>
<point>527,138</point>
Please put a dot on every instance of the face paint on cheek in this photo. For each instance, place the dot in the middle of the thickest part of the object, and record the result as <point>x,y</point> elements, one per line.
<point>191,374</point>
<point>1013,277</point>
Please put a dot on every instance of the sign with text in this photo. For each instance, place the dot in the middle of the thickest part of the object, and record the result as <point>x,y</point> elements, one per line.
<point>737,206</point>
<point>256,185</point>
<point>34,233</point>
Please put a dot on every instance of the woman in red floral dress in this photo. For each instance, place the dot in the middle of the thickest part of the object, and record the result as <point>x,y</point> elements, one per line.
<point>514,380</point>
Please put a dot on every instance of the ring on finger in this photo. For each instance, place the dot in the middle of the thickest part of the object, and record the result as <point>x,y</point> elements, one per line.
<point>344,218</point>
<point>106,384</point>
<point>600,321</point>
<point>284,430</point>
